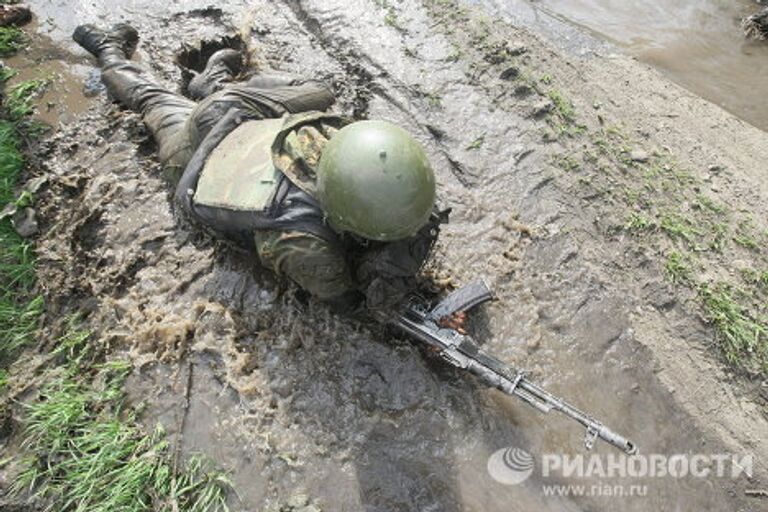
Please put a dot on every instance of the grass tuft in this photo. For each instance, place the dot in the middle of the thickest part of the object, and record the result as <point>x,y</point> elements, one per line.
<point>567,163</point>
<point>636,223</point>
<point>19,98</point>
<point>12,39</point>
<point>477,143</point>
<point>19,308</point>
<point>88,453</point>
<point>706,204</point>
<point>745,236</point>
<point>742,339</point>
<point>677,226</point>
<point>562,105</point>
<point>677,267</point>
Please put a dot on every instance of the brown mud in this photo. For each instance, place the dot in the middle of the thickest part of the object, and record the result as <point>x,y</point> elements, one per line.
<point>291,399</point>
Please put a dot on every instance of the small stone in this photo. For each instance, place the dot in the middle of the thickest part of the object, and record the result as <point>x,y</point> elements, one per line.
<point>25,222</point>
<point>542,108</point>
<point>515,48</point>
<point>638,155</point>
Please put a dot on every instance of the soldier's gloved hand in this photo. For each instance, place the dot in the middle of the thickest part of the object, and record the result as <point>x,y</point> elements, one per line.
<point>384,296</point>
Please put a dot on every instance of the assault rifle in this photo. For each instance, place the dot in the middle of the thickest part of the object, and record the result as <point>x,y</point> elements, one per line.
<point>422,321</point>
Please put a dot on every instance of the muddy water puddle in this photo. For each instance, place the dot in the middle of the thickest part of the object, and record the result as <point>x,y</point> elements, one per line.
<point>697,43</point>
<point>64,97</point>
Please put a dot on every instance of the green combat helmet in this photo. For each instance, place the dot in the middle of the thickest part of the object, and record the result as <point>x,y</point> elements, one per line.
<point>374,180</point>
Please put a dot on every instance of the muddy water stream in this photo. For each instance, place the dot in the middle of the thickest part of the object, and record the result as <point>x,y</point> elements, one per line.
<point>289,397</point>
<point>697,43</point>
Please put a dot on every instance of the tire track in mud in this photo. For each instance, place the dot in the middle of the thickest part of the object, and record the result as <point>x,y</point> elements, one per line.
<point>347,58</point>
<point>368,83</point>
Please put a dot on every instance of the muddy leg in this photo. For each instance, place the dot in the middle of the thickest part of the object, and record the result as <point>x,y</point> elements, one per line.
<point>164,112</point>
<point>298,95</point>
<point>220,70</point>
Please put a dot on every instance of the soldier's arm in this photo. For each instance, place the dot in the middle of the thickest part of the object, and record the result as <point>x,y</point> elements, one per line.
<point>312,263</point>
<point>388,273</point>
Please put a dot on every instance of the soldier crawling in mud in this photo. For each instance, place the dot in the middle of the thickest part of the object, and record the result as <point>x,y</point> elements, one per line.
<point>345,209</point>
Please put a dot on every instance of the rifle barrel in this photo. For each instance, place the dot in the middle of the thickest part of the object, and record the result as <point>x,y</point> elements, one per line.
<point>462,352</point>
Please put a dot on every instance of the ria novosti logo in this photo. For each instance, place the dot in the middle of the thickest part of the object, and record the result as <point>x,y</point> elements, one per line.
<point>510,466</point>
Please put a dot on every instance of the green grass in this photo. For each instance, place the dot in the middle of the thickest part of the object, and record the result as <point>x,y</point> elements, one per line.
<point>705,203</point>
<point>678,226</point>
<point>476,144</point>
<point>636,223</point>
<point>746,241</point>
<point>11,160</point>
<point>678,267</point>
<point>11,40</point>
<point>85,451</point>
<point>563,106</point>
<point>567,163</point>
<point>742,338</point>
<point>7,73</point>
<point>754,277</point>
<point>391,19</point>
<point>719,232</point>
<point>19,307</point>
<point>20,97</point>
<point>750,275</point>
<point>745,236</point>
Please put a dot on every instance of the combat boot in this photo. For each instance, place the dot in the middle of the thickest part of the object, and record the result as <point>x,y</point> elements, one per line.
<point>222,67</point>
<point>121,39</point>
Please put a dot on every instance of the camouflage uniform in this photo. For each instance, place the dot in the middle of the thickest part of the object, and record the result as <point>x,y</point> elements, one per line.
<point>288,231</point>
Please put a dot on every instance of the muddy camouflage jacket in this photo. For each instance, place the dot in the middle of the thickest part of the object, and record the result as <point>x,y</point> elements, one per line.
<point>283,220</point>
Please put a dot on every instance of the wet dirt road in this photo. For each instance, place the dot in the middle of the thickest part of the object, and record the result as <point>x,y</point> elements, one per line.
<point>698,44</point>
<point>292,399</point>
